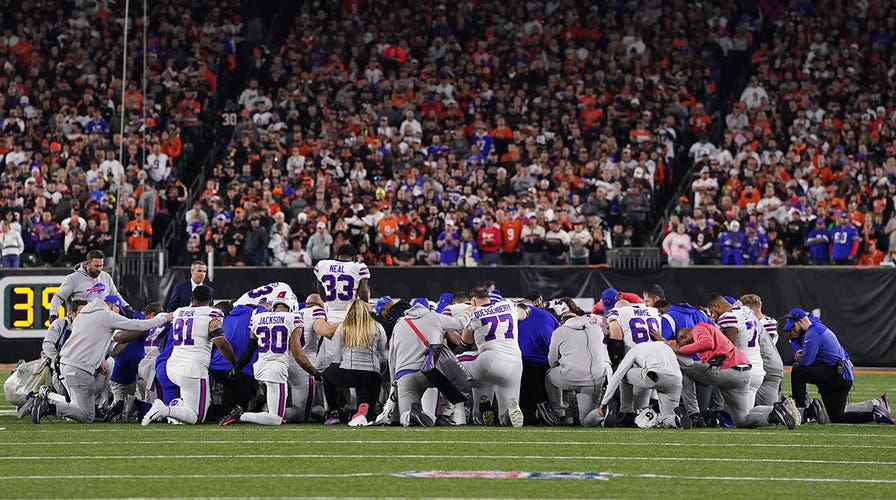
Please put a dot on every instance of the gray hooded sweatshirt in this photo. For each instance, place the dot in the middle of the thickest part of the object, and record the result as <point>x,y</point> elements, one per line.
<point>81,286</point>
<point>92,332</point>
<point>408,351</point>
<point>577,347</point>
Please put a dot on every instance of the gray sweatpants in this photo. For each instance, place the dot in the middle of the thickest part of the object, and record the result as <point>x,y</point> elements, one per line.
<point>83,389</point>
<point>668,392</point>
<point>411,387</point>
<point>767,394</point>
<point>587,396</point>
<point>734,386</point>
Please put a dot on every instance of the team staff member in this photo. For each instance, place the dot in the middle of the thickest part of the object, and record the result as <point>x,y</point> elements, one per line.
<point>360,347</point>
<point>408,353</point>
<point>820,359</point>
<point>725,367</point>
<point>181,293</point>
<point>89,281</point>
<point>83,358</point>
<point>535,330</point>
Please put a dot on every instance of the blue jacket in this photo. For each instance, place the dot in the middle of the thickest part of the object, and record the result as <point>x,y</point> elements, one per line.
<point>845,242</point>
<point>821,348</point>
<point>682,315</point>
<point>126,362</point>
<point>535,335</point>
<point>236,331</point>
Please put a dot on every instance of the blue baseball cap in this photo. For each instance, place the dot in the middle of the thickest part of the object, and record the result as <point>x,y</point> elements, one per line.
<point>114,299</point>
<point>381,302</point>
<point>729,299</point>
<point>793,316</point>
<point>444,301</point>
<point>609,297</point>
<point>420,301</point>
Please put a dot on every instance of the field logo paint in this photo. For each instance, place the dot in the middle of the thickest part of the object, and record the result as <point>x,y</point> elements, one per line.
<point>463,474</point>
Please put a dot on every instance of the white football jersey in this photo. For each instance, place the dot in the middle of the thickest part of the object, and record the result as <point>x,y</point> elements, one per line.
<point>495,328</point>
<point>309,340</point>
<point>771,328</point>
<point>273,329</point>
<point>636,322</point>
<point>151,342</point>
<point>340,280</point>
<point>191,347</point>
<point>269,293</point>
<point>748,332</point>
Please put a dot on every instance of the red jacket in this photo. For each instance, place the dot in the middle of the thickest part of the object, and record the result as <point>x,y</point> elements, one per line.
<point>489,239</point>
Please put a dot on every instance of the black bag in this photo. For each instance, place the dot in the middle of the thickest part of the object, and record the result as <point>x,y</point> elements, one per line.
<point>442,369</point>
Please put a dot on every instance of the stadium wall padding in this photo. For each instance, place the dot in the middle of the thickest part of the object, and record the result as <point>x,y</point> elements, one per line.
<point>858,304</point>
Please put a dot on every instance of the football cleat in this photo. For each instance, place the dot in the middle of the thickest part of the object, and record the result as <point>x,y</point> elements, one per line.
<point>884,401</point>
<point>113,414</point>
<point>697,420</point>
<point>790,406</point>
<point>815,411</point>
<point>682,418</point>
<point>611,413</point>
<point>419,417</point>
<point>157,412</point>
<point>233,417</point>
<point>487,411</point>
<point>333,418</point>
<point>26,407</point>
<point>359,419</point>
<point>882,416</point>
<point>445,421</point>
<point>41,404</point>
<point>514,413</point>
<point>780,415</point>
<point>547,414</point>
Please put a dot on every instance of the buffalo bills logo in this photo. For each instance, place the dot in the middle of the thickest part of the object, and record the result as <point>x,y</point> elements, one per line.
<point>98,289</point>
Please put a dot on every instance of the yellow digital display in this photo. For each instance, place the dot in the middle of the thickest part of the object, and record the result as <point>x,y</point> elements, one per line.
<point>26,305</point>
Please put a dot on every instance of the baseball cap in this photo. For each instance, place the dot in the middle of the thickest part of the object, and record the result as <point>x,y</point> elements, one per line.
<point>420,301</point>
<point>734,226</point>
<point>381,302</point>
<point>321,225</point>
<point>609,298</point>
<point>114,299</point>
<point>793,316</point>
<point>729,299</point>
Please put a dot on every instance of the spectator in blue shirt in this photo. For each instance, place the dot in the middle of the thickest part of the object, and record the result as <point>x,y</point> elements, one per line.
<point>733,243</point>
<point>448,243</point>
<point>844,242</point>
<point>818,358</point>
<point>818,241</point>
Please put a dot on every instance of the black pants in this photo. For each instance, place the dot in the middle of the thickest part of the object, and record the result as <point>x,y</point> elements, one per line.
<point>237,391</point>
<point>366,384</point>
<point>532,389</point>
<point>833,389</point>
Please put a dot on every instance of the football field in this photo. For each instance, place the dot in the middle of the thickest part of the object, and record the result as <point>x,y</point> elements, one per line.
<point>59,459</point>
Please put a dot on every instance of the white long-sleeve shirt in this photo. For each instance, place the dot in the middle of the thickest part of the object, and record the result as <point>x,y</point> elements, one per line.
<point>655,357</point>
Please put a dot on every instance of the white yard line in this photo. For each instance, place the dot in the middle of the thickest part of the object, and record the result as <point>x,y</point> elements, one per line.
<point>458,457</point>
<point>787,479</point>
<point>429,442</point>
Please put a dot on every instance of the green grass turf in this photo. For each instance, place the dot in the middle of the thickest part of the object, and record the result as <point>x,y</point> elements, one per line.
<point>62,459</point>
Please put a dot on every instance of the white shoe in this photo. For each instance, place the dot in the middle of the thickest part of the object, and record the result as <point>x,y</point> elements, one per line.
<point>514,413</point>
<point>790,406</point>
<point>157,412</point>
<point>359,421</point>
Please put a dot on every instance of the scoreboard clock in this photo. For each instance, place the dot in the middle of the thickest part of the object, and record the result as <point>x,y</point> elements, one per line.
<point>25,304</point>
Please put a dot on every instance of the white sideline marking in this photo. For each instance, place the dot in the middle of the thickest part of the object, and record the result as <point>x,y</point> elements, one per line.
<point>429,456</point>
<point>731,433</point>
<point>420,441</point>
<point>788,479</point>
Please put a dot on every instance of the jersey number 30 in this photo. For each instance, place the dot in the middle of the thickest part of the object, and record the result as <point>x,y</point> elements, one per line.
<point>272,339</point>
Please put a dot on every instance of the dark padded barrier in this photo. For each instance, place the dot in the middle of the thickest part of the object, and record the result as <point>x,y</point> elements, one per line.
<point>858,304</point>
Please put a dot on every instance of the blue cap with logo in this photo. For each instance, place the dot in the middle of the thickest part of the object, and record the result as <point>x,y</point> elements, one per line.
<point>381,303</point>
<point>793,316</point>
<point>609,298</point>
<point>420,301</point>
<point>114,299</point>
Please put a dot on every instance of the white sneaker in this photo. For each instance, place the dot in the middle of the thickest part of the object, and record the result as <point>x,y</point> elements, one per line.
<point>790,406</point>
<point>514,413</point>
<point>359,421</point>
<point>157,412</point>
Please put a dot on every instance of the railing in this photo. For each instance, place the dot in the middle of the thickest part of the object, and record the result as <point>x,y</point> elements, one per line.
<point>635,258</point>
<point>132,267</point>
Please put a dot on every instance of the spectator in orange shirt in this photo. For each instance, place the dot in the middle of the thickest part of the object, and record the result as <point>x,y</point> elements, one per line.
<point>510,238</point>
<point>872,256</point>
<point>171,143</point>
<point>138,231</point>
<point>387,229</point>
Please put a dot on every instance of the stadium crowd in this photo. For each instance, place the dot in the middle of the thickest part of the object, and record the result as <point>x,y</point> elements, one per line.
<point>806,172</point>
<point>539,132</point>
